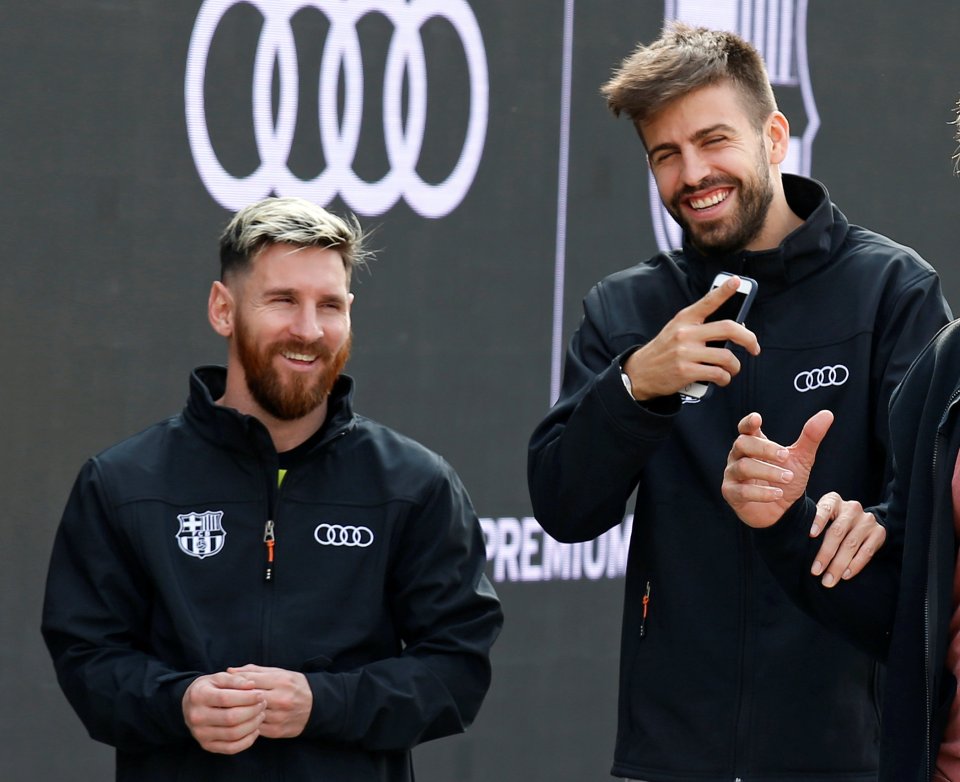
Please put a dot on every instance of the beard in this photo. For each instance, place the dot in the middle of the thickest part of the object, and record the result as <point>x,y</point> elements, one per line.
<point>301,393</point>
<point>728,235</point>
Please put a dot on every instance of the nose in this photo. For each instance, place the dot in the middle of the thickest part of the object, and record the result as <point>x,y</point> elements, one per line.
<point>306,325</point>
<point>695,167</point>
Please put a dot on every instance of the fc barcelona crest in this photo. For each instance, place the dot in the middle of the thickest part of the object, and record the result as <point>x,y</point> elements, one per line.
<point>201,534</point>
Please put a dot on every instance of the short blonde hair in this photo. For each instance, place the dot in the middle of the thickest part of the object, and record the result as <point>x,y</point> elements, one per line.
<point>294,221</point>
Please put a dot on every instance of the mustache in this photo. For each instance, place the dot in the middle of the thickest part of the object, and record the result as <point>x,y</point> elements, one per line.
<point>705,183</point>
<point>317,348</point>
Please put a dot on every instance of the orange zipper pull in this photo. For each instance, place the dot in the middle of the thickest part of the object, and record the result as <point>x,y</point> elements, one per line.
<point>646,608</point>
<point>270,539</point>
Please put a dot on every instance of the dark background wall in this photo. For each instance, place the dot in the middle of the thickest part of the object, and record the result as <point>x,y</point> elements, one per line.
<point>109,244</point>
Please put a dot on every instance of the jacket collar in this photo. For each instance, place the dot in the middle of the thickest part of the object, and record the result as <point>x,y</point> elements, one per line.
<point>229,428</point>
<point>801,253</point>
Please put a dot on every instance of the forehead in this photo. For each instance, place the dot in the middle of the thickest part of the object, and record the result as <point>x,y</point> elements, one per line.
<point>290,266</point>
<point>705,107</point>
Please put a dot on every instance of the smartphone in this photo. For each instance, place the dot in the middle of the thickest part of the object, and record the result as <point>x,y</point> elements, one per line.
<point>735,308</point>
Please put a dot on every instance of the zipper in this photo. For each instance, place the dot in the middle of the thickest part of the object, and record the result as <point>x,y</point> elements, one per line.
<point>748,632</point>
<point>269,540</point>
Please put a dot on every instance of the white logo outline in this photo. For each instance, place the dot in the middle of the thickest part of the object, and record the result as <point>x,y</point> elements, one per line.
<point>343,535</point>
<point>822,377</point>
<point>340,136</point>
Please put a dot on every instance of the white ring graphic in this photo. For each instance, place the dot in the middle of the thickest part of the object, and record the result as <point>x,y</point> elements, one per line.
<point>343,535</point>
<point>340,135</point>
<point>836,375</point>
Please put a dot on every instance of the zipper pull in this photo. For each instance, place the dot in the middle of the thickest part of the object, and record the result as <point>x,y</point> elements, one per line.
<point>646,607</point>
<point>270,540</point>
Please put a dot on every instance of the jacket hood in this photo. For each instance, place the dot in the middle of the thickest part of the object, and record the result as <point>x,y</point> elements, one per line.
<point>801,253</point>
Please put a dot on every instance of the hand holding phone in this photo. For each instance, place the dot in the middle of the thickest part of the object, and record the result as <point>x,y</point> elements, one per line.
<point>735,308</point>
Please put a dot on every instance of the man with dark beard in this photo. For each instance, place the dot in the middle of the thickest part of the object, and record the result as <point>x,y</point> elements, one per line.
<point>722,677</point>
<point>269,586</point>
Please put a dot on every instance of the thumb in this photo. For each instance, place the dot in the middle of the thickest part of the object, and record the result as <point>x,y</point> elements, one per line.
<point>814,430</point>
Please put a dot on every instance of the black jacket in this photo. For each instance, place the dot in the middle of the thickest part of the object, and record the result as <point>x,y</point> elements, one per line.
<point>387,611</point>
<point>726,673</point>
<point>899,608</point>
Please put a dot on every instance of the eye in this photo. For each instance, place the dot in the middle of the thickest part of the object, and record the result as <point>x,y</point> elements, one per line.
<point>663,156</point>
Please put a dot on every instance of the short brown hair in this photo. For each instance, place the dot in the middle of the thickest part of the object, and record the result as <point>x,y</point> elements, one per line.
<point>684,59</point>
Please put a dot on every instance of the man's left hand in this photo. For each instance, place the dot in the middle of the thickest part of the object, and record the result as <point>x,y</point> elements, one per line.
<point>850,541</point>
<point>289,699</point>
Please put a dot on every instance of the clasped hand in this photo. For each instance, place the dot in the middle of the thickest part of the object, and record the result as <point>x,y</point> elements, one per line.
<point>227,711</point>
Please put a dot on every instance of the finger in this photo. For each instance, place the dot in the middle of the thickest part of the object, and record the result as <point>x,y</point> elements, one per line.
<point>220,698</point>
<point>248,668</point>
<point>814,430</point>
<point>871,545</point>
<point>750,470</point>
<point>229,741</point>
<point>738,493</point>
<point>229,680</point>
<point>828,507</point>
<point>751,447</point>
<point>711,301</point>
<point>842,542</point>
<point>721,331</point>
<point>750,425</point>
<point>232,719</point>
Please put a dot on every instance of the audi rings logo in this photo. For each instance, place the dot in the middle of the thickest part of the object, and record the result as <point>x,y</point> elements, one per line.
<point>405,85</point>
<point>343,535</point>
<point>836,375</point>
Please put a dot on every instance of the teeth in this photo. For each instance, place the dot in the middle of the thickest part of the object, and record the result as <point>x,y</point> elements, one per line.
<point>299,356</point>
<point>703,203</point>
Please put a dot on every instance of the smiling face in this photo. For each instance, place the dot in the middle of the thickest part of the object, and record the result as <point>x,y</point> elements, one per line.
<point>288,323</point>
<point>713,167</point>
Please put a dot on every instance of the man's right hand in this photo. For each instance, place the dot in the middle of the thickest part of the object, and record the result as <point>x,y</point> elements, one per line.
<point>224,712</point>
<point>679,354</point>
<point>762,478</point>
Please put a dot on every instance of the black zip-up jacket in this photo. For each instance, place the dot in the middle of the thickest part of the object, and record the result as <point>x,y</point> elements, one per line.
<point>900,606</point>
<point>158,575</point>
<point>726,678</point>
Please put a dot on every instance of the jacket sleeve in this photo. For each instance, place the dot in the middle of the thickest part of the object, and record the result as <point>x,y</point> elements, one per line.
<point>585,457</point>
<point>860,610</point>
<point>94,620</point>
<point>914,315</point>
<point>448,617</point>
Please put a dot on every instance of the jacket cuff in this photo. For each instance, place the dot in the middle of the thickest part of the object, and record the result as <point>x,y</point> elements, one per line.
<point>791,534</point>
<point>171,705</point>
<point>657,413</point>
<point>328,716</point>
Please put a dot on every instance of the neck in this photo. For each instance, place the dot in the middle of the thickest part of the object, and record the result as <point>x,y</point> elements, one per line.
<point>285,435</point>
<point>780,222</point>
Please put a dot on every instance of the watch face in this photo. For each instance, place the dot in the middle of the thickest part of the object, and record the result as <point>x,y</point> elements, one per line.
<point>627,384</point>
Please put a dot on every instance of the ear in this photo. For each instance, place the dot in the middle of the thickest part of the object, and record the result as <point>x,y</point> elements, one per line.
<point>778,134</point>
<point>220,309</point>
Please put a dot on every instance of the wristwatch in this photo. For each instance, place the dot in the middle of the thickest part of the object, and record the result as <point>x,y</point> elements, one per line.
<point>627,384</point>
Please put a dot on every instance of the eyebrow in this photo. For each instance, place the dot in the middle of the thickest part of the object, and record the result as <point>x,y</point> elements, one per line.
<point>698,136</point>
<point>293,292</point>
